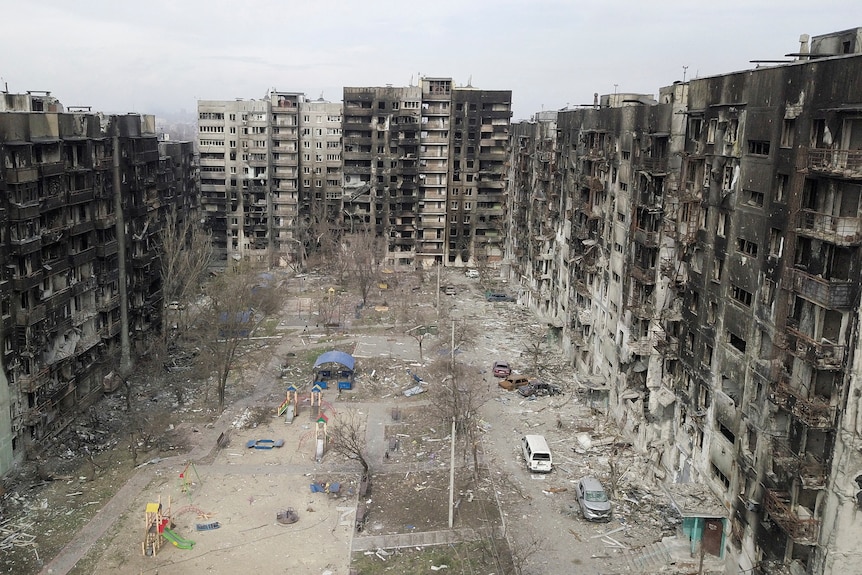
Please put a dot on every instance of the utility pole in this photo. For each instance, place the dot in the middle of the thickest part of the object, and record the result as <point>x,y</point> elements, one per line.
<point>452,477</point>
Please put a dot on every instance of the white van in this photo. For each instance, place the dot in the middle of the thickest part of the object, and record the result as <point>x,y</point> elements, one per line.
<point>537,454</point>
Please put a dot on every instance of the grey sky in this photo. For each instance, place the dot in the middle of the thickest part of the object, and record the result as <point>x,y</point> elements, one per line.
<point>160,56</point>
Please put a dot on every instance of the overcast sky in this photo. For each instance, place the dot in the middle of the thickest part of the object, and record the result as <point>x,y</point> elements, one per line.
<point>161,56</point>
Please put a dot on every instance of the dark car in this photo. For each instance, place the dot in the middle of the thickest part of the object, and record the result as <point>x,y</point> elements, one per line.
<point>593,500</point>
<point>502,369</point>
<point>539,388</point>
<point>497,296</point>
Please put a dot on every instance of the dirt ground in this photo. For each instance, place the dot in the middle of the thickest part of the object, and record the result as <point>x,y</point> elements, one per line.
<point>507,519</point>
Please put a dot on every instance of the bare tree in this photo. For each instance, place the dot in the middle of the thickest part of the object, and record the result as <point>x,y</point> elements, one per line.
<point>525,545</point>
<point>231,312</point>
<point>322,231</point>
<point>421,324</point>
<point>480,259</point>
<point>347,438</point>
<point>365,250</point>
<point>185,251</point>
<point>460,397</point>
<point>328,307</point>
<point>536,349</point>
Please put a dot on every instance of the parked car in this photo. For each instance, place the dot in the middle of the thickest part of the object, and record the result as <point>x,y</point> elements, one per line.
<point>593,500</point>
<point>498,296</point>
<point>502,369</point>
<point>471,273</point>
<point>449,290</point>
<point>539,388</point>
<point>513,382</point>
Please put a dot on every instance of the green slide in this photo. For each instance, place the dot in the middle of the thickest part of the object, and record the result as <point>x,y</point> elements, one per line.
<point>177,540</point>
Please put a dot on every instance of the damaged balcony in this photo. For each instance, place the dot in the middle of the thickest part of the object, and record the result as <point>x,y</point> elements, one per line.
<point>823,354</point>
<point>646,238</point>
<point>842,163</point>
<point>828,293</point>
<point>643,345</point>
<point>815,413</point>
<point>808,468</point>
<point>641,307</point>
<point>798,524</point>
<point>839,230</point>
<point>643,274</point>
<point>654,165</point>
<point>667,345</point>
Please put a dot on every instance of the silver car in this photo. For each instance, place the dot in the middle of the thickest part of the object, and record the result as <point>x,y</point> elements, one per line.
<point>593,500</point>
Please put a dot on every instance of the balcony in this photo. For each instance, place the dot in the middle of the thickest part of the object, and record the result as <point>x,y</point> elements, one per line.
<point>84,227</point>
<point>667,345</point>
<point>83,256</point>
<point>22,175</point>
<point>643,345</point>
<point>841,163</point>
<point>145,157</point>
<point>644,275</point>
<point>594,153</point>
<point>840,230</point>
<point>107,303</point>
<point>815,413</point>
<point>81,196</point>
<point>84,285</point>
<point>110,331</point>
<point>831,294</point>
<point>585,316</point>
<point>642,309</point>
<point>581,287</point>
<point>645,238</point>
<point>32,382</point>
<point>25,283</point>
<point>798,525</point>
<point>21,212</point>
<point>810,470</point>
<point>106,249</point>
<point>654,165</point>
<point>822,354</point>
<point>49,169</point>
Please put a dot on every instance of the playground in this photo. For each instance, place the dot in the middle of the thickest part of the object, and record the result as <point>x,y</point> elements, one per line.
<point>220,515</point>
<point>266,497</point>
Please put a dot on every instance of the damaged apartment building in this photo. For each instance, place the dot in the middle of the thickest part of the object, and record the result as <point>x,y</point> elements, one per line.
<point>83,198</point>
<point>422,167</point>
<point>699,257</point>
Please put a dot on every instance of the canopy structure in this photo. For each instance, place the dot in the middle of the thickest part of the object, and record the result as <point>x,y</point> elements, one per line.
<point>339,357</point>
<point>336,367</point>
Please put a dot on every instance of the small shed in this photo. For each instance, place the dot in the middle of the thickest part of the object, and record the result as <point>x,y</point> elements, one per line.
<point>335,367</point>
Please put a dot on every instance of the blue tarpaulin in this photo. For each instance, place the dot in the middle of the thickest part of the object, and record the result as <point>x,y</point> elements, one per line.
<point>339,357</point>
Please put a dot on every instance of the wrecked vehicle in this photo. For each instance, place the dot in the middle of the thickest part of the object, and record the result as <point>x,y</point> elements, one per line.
<point>498,297</point>
<point>513,382</point>
<point>502,369</point>
<point>539,389</point>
